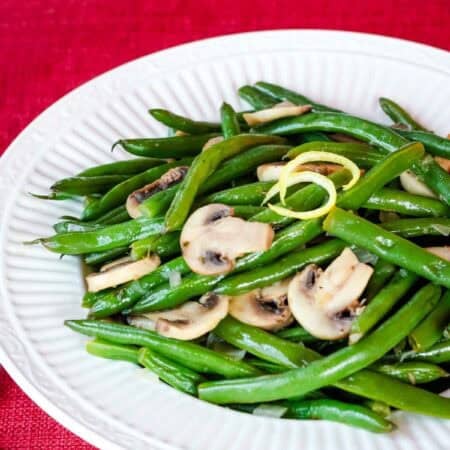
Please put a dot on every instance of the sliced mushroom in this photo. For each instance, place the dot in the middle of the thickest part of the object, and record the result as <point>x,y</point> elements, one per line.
<point>213,141</point>
<point>171,177</point>
<point>443,162</point>
<point>265,308</point>
<point>413,185</point>
<point>326,302</point>
<point>272,171</point>
<point>280,110</point>
<point>190,321</point>
<point>443,252</point>
<point>121,271</point>
<point>212,239</point>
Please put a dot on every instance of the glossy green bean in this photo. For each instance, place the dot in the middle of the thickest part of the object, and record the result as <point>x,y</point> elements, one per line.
<point>280,269</point>
<point>119,193</point>
<point>432,328</point>
<point>287,240</point>
<point>203,167</point>
<point>168,147</point>
<point>104,304</point>
<point>387,245</point>
<point>230,122</point>
<point>386,170</point>
<point>116,215</point>
<point>105,238</point>
<point>247,211</point>
<point>435,145</point>
<point>412,372</point>
<point>337,411</point>
<point>164,246</point>
<point>109,350</point>
<point>129,167</point>
<point>382,273</point>
<point>68,226</point>
<point>184,124</point>
<point>332,368</point>
<point>398,115</point>
<point>190,355</point>
<point>406,204</point>
<point>230,170</point>
<point>283,94</point>
<point>54,196</point>
<point>172,373</point>
<point>297,334</point>
<point>365,383</point>
<point>247,194</point>
<point>255,98</point>
<point>419,227</point>
<point>386,139</point>
<point>88,185</point>
<point>96,258</point>
<point>438,354</point>
<point>315,136</point>
<point>362,155</point>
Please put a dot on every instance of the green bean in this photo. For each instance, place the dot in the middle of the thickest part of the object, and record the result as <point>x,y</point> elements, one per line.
<point>68,226</point>
<point>54,196</point>
<point>109,350</point>
<point>297,334</point>
<point>164,246</point>
<point>386,139</point>
<point>204,166</point>
<point>433,326</point>
<point>365,383</point>
<point>382,273</point>
<point>88,185</point>
<point>387,245</point>
<point>181,123</point>
<point>407,204</point>
<point>419,227</point>
<point>119,193</point>
<point>438,354</point>
<point>247,194</point>
<point>105,238</point>
<point>247,211</point>
<point>315,136</point>
<point>193,356</point>
<point>230,123</point>
<point>168,147</point>
<point>104,304</point>
<point>129,167</point>
<point>283,268</point>
<point>337,411</point>
<point>332,368</point>
<point>398,115</point>
<point>116,215</point>
<point>96,258</point>
<point>230,170</point>
<point>362,155</point>
<point>174,374</point>
<point>383,172</point>
<point>411,372</point>
<point>282,94</point>
<point>168,297</point>
<point>255,98</point>
<point>435,145</point>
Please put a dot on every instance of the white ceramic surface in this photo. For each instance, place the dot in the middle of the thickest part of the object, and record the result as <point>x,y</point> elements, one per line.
<point>112,405</point>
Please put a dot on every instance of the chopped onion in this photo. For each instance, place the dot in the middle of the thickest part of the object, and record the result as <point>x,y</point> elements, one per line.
<point>174,279</point>
<point>268,410</point>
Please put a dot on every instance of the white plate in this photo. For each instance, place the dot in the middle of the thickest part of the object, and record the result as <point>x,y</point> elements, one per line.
<point>111,404</point>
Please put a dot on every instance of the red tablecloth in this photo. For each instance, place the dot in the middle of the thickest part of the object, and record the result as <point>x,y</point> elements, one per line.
<point>48,47</point>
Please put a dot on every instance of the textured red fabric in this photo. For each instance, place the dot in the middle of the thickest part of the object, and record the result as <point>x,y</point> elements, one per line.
<point>48,47</point>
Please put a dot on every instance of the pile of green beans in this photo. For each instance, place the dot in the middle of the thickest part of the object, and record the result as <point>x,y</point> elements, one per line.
<point>399,334</point>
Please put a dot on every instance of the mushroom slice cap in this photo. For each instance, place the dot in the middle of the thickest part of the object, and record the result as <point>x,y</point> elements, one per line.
<point>280,110</point>
<point>189,321</point>
<point>265,308</point>
<point>413,185</point>
<point>121,271</point>
<point>443,252</point>
<point>325,302</point>
<point>171,177</point>
<point>212,239</point>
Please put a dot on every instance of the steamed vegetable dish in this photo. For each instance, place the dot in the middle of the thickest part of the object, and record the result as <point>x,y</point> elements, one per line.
<point>290,260</point>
